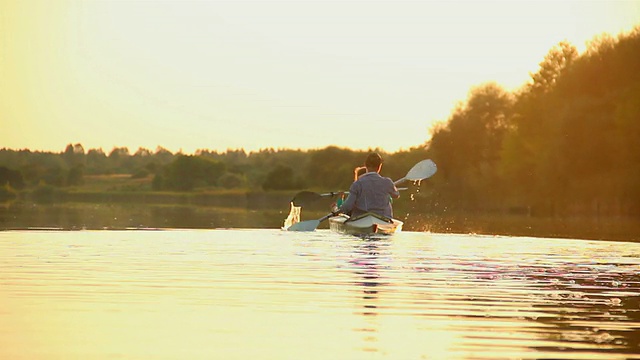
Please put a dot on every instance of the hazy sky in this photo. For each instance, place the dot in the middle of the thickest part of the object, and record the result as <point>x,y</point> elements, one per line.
<point>256,74</point>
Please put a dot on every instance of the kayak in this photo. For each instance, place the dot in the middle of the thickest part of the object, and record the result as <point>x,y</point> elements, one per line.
<point>368,223</point>
<point>365,224</point>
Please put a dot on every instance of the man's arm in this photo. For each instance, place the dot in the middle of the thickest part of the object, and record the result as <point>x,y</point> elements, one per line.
<point>394,190</point>
<point>349,203</point>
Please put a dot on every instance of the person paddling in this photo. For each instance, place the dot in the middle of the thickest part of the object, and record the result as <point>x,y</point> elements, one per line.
<point>371,192</point>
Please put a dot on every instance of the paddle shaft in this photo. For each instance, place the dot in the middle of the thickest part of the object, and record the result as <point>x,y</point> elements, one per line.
<point>306,197</point>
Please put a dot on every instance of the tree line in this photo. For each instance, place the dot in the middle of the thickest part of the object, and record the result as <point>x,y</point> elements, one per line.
<point>267,169</point>
<point>565,143</point>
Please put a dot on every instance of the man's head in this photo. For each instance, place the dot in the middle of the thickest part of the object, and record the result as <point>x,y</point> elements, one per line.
<point>373,162</point>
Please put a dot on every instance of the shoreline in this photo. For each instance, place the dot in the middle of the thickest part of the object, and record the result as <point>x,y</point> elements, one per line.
<point>269,210</point>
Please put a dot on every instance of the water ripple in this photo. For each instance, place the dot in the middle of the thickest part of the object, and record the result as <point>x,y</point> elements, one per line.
<point>273,294</point>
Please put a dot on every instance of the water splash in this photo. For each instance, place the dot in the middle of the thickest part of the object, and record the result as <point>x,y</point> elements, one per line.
<point>293,217</point>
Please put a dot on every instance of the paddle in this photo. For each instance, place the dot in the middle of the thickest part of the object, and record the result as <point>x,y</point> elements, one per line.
<point>420,171</point>
<point>304,198</point>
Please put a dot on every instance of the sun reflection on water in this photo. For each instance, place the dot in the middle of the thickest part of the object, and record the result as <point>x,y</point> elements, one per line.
<point>272,294</point>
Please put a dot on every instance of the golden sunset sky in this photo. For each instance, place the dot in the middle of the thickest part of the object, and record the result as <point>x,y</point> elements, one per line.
<point>190,75</point>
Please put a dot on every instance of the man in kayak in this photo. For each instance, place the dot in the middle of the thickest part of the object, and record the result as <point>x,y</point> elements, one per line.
<point>371,192</point>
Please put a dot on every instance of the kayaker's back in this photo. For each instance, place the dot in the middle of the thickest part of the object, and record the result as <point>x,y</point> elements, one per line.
<point>373,193</point>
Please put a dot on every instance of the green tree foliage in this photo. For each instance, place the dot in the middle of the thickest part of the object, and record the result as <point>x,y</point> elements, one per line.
<point>163,156</point>
<point>533,141</point>
<point>332,167</point>
<point>55,176</point>
<point>565,143</point>
<point>158,182</point>
<point>74,155</point>
<point>12,178</point>
<point>7,193</point>
<point>397,164</point>
<point>120,161</point>
<point>280,178</point>
<point>469,148</point>
<point>231,181</point>
<point>187,172</point>
<point>96,162</point>
<point>555,63</point>
<point>75,175</point>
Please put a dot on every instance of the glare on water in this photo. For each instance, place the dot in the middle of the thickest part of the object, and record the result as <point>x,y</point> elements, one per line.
<point>270,294</point>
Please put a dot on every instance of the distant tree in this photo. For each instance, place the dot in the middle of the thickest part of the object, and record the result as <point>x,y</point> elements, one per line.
<point>142,152</point>
<point>96,162</point>
<point>163,156</point>
<point>120,161</point>
<point>7,193</point>
<point>186,172</point>
<point>118,152</point>
<point>68,149</point>
<point>469,146</point>
<point>152,167</point>
<point>158,182</point>
<point>397,164</point>
<point>332,167</point>
<point>75,176</point>
<point>533,139</point>
<point>142,163</point>
<point>11,178</point>
<point>74,155</point>
<point>558,59</point>
<point>279,178</point>
<point>231,181</point>
<point>54,175</point>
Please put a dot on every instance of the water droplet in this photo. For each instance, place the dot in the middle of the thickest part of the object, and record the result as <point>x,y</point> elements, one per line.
<point>615,301</point>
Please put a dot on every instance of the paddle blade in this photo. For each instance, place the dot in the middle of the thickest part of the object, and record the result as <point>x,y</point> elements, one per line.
<point>309,225</point>
<point>422,170</point>
<point>304,198</point>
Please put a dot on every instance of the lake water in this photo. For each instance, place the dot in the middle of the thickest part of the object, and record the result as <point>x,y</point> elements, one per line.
<point>271,215</point>
<point>270,294</point>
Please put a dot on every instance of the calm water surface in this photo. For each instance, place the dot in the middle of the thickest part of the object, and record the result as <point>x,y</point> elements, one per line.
<point>268,294</point>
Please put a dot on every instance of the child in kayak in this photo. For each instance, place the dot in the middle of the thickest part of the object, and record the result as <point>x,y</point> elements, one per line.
<point>360,170</point>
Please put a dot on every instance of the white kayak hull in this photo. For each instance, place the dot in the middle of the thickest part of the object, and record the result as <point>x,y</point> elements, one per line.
<point>366,224</point>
